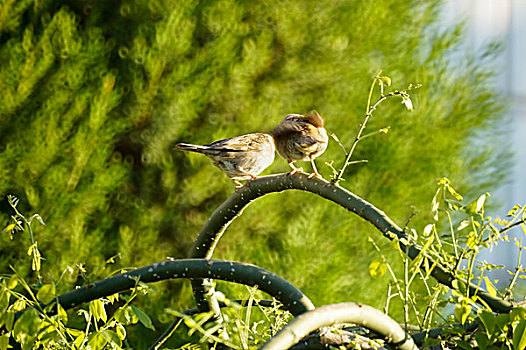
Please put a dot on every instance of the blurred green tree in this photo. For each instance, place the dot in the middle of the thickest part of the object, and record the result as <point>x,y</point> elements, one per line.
<point>95,94</point>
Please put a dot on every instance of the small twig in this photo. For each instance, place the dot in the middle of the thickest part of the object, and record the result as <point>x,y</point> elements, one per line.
<point>507,228</point>
<point>381,80</point>
<point>413,214</point>
<point>515,275</point>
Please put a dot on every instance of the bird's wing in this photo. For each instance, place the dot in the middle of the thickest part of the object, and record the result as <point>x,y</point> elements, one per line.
<point>243,143</point>
<point>305,144</point>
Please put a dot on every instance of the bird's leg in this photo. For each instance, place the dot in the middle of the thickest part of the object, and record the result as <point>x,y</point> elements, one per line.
<point>315,172</point>
<point>252,176</point>
<point>294,169</point>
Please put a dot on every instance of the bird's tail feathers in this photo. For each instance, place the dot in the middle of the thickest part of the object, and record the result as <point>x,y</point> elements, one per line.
<point>190,147</point>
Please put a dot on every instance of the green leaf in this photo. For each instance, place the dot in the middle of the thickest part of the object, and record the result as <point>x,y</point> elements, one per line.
<point>143,317</point>
<point>459,286</point>
<point>9,228</point>
<point>62,314</point>
<point>518,313</point>
<point>96,308</point>
<point>472,240</point>
<point>121,331</point>
<point>377,268</point>
<point>19,305</point>
<point>4,341</point>
<point>4,301</point>
<point>407,103</point>
<point>97,341</point>
<point>519,335</point>
<point>462,311</point>
<point>463,224</point>
<point>126,316</point>
<point>27,325</point>
<point>464,345</point>
<point>482,340</point>
<point>480,203</point>
<point>35,253</point>
<point>488,320</point>
<point>46,293</point>
<point>428,229</point>
<point>454,193</point>
<point>386,80</point>
<point>490,287</point>
<point>80,339</point>
<point>503,320</point>
<point>13,282</point>
<point>8,318</point>
<point>111,337</point>
<point>513,210</point>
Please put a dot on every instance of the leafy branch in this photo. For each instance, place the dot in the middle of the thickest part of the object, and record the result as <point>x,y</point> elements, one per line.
<point>18,221</point>
<point>382,82</point>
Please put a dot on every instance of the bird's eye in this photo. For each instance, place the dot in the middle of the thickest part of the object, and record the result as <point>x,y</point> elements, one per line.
<point>291,116</point>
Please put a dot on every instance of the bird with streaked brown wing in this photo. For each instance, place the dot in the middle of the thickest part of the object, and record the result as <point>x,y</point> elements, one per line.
<point>240,157</point>
<point>301,137</point>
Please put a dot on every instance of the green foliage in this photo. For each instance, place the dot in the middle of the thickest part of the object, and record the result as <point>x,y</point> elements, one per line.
<point>95,94</point>
<point>468,231</point>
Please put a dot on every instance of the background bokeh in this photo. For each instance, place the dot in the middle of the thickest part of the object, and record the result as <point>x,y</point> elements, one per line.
<point>95,95</point>
<point>503,21</point>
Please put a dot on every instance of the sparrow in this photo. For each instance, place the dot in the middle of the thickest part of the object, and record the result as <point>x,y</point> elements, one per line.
<point>301,137</point>
<point>240,157</point>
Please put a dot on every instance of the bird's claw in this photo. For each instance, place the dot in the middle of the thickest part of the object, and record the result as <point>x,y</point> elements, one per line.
<point>296,170</point>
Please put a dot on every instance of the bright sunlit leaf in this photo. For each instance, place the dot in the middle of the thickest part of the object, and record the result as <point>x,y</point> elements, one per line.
<point>377,268</point>
<point>490,287</point>
<point>46,293</point>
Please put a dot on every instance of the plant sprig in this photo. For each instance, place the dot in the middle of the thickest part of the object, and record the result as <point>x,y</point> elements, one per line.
<point>382,82</point>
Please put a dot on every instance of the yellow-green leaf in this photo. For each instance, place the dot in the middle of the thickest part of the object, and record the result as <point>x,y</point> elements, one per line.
<point>126,316</point>
<point>428,229</point>
<point>121,331</point>
<point>4,301</point>
<point>454,193</point>
<point>377,268</point>
<point>490,287</point>
<point>9,228</point>
<point>97,341</point>
<point>111,337</point>
<point>4,341</point>
<point>143,317</point>
<point>79,340</point>
<point>96,308</point>
<point>27,325</point>
<point>8,318</point>
<point>46,293</point>
<point>386,80</point>
<point>519,335</point>
<point>13,282</point>
<point>462,312</point>
<point>62,314</point>
<point>480,203</point>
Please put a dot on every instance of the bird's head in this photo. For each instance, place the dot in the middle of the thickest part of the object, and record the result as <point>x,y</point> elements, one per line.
<point>312,118</point>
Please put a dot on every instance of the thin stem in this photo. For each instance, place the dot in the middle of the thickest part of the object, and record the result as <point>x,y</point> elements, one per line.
<point>515,275</point>
<point>381,131</point>
<point>504,229</point>
<point>406,291</point>
<point>31,237</point>
<point>370,111</point>
<point>452,234</point>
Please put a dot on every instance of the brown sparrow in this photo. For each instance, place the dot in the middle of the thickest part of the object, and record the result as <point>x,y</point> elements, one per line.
<point>240,157</point>
<point>300,137</point>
